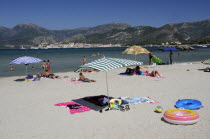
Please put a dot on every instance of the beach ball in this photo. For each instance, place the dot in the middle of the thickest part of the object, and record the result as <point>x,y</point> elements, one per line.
<point>158,109</point>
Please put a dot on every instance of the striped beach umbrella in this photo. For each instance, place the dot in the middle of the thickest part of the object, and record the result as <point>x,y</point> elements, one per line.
<point>26,60</point>
<point>106,64</point>
<point>207,61</point>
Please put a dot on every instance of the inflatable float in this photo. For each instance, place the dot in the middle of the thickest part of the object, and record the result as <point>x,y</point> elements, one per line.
<point>156,60</point>
<point>190,104</point>
<point>181,116</point>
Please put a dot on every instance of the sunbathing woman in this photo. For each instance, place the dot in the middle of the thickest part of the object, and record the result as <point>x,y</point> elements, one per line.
<point>82,78</point>
<point>153,73</point>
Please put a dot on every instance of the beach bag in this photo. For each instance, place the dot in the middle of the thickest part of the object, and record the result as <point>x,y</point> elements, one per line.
<point>114,104</point>
<point>29,77</point>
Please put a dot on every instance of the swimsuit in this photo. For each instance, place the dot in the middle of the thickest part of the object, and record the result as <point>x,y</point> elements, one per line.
<point>50,75</point>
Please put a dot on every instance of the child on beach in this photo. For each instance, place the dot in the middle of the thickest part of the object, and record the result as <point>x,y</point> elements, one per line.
<point>11,67</point>
<point>82,78</point>
<point>44,65</point>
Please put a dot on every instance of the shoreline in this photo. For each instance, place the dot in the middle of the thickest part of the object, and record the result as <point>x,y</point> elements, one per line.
<point>72,45</point>
<point>88,72</point>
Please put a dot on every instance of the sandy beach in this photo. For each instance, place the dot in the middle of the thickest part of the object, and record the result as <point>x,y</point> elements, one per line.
<point>27,108</point>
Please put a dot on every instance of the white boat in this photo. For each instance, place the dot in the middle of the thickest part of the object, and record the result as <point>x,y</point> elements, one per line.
<point>202,45</point>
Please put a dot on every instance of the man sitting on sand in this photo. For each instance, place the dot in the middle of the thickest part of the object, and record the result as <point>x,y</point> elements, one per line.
<point>82,78</point>
<point>49,74</point>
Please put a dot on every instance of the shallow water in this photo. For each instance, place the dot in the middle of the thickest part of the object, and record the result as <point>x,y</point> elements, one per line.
<point>69,59</point>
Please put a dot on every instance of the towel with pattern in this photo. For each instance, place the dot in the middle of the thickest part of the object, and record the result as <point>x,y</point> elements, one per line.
<point>74,107</point>
<point>138,100</point>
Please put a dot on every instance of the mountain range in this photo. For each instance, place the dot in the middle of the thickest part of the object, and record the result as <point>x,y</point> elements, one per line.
<point>114,33</point>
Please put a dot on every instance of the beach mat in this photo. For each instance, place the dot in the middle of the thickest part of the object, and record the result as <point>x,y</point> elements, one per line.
<point>74,107</point>
<point>95,99</point>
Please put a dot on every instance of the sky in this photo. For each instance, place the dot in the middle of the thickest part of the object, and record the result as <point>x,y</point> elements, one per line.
<point>70,14</point>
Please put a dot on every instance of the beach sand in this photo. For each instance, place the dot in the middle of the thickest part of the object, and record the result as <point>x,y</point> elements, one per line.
<point>27,108</point>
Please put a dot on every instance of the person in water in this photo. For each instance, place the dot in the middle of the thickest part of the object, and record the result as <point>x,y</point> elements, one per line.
<point>83,60</point>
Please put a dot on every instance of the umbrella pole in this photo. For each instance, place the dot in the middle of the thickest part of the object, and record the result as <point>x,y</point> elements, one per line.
<point>107,87</point>
<point>26,69</point>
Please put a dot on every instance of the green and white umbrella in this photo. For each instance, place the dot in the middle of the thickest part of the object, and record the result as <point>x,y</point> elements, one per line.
<point>207,62</point>
<point>106,64</point>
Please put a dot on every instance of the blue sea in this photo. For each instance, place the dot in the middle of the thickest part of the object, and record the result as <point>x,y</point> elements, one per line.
<point>69,59</point>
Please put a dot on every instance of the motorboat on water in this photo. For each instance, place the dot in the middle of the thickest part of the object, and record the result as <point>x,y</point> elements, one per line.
<point>202,45</point>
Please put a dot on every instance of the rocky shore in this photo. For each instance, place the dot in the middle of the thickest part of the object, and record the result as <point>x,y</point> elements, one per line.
<point>85,45</point>
<point>74,45</point>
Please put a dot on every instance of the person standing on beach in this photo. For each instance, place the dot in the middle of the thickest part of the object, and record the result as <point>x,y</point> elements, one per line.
<point>48,65</point>
<point>150,58</point>
<point>44,65</point>
<point>83,60</point>
<point>170,56</point>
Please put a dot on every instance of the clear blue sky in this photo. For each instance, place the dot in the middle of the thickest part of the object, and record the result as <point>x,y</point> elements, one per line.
<point>69,14</point>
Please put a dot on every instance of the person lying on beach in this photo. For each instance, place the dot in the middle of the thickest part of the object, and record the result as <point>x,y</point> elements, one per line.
<point>50,74</point>
<point>82,78</point>
<point>207,69</point>
<point>137,70</point>
<point>154,73</point>
<point>132,71</point>
<point>129,71</point>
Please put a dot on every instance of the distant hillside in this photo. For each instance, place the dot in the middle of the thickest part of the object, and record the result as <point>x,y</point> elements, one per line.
<point>115,33</point>
<point>183,32</point>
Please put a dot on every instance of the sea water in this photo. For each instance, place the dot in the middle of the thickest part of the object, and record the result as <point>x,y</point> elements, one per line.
<point>69,59</point>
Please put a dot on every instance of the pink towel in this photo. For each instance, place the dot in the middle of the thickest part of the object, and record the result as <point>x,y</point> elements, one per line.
<point>75,82</point>
<point>157,76</point>
<point>73,111</point>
